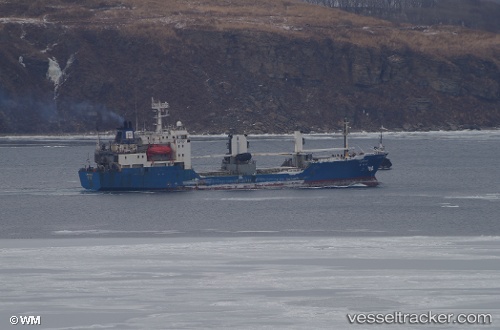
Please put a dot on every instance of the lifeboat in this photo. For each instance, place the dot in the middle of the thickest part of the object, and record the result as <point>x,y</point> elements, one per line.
<point>158,149</point>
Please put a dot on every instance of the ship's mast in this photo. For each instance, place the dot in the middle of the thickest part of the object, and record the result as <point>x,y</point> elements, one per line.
<point>161,112</point>
<point>299,142</point>
<point>98,143</point>
<point>346,132</point>
<point>380,143</point>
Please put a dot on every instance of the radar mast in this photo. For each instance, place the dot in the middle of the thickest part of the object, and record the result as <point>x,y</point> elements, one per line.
<point>161,109</point>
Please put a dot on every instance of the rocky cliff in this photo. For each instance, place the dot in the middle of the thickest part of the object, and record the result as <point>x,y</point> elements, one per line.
<point>253,66</point>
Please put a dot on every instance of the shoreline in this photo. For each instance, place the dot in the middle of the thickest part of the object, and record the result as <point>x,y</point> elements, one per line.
<point>354,133</point>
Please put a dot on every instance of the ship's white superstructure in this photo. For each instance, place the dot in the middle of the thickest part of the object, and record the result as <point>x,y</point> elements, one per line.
<point>161,147</point>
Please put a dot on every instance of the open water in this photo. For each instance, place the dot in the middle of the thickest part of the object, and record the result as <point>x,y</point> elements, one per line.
<point>428,238</point>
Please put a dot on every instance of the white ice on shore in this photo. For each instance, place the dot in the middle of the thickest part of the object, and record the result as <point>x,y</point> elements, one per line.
<point>446,135</point>
<point>245,283</point>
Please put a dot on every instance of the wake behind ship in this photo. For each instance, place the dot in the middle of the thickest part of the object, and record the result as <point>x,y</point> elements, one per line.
<point>161,160</point>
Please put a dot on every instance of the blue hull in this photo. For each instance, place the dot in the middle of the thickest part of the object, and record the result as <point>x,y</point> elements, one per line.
<point>318,174</point>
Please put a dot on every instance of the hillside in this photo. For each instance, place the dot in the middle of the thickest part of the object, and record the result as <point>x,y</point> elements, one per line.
<point>253,66</point>
<point>475,14</point>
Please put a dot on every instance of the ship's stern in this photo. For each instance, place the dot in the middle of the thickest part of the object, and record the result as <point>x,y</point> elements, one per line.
<point>89,178</point>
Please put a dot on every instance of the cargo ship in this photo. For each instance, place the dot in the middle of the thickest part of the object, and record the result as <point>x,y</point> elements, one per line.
<point>161,160</point>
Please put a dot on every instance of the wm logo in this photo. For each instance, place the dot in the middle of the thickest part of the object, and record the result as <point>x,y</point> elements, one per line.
<point>30,320</point>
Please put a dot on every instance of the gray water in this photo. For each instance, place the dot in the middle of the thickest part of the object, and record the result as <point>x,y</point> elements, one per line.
<point>427,239</point>
<point>440,184</point>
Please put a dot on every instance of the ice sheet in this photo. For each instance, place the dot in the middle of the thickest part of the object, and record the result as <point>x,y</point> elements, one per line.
<point>245,283</point>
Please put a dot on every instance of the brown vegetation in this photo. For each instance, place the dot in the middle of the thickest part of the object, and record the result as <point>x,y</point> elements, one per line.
<point>286,17</point>
<point>255,65</point>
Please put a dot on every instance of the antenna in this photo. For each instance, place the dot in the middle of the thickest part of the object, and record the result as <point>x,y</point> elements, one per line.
<point>98,136</point>
<point>346,132</point>
<point>380,144</point>
<point>136,118</point>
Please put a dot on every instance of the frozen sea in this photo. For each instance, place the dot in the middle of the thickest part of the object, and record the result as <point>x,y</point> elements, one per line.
<point>426,240</point>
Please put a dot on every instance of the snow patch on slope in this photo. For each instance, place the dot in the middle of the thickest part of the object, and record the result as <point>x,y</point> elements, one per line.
<point>21,59</point>
<point>54,72</point>
<point>56,75</point>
